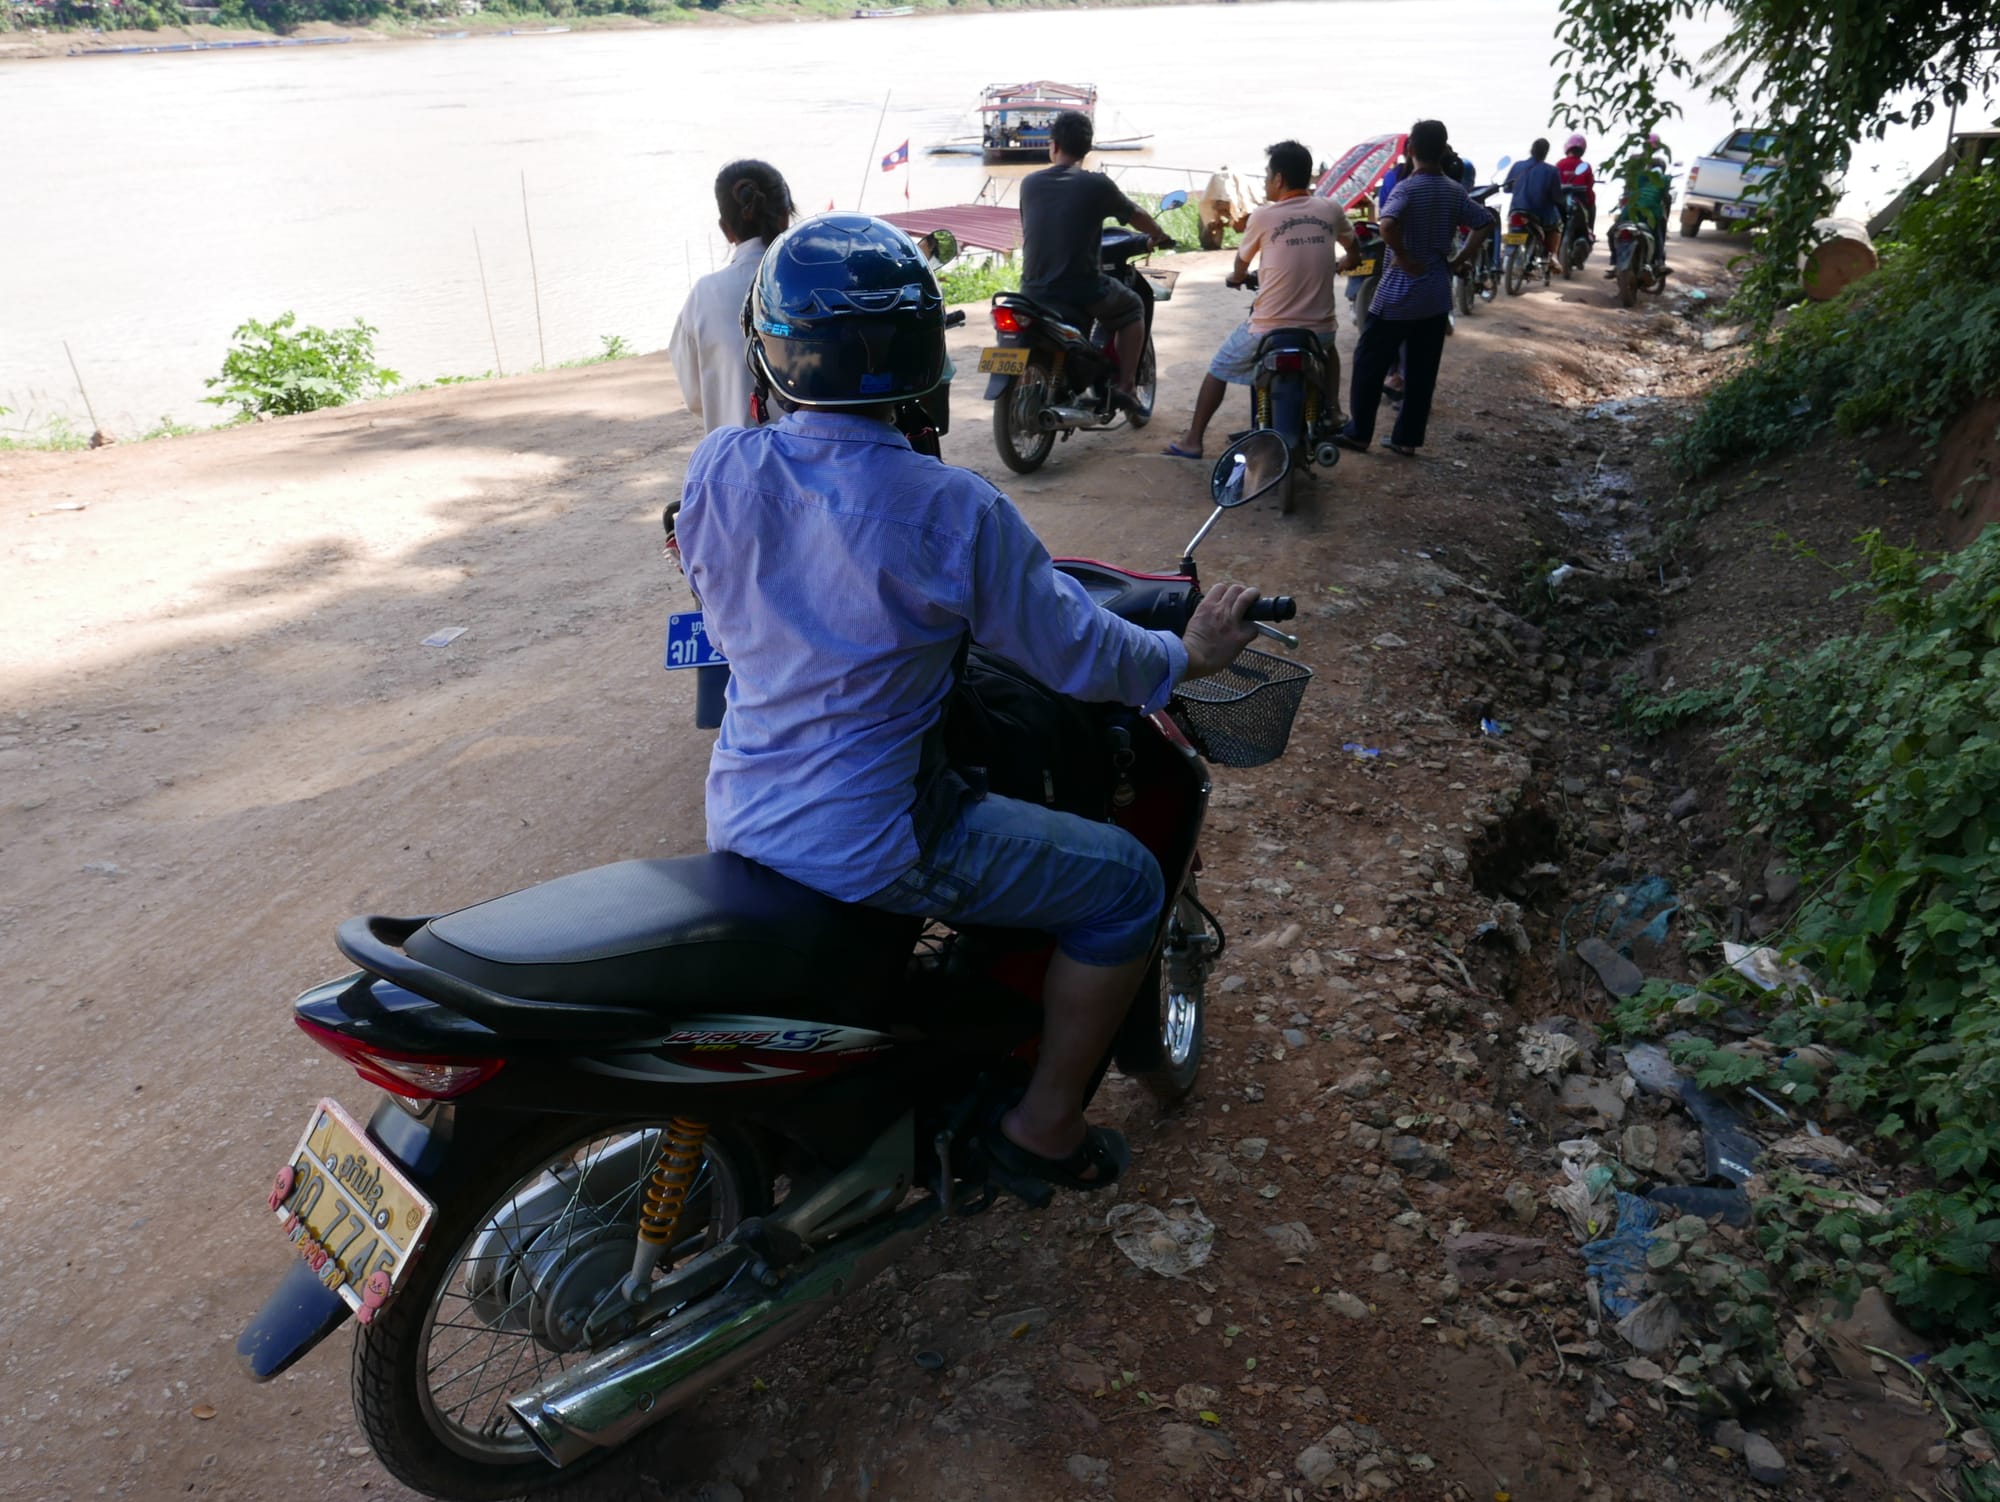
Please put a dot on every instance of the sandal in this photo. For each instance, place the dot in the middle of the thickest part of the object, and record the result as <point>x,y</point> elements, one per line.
<point>1175,451</point>
<point>1406,450</point>
<point>1098,1163</point>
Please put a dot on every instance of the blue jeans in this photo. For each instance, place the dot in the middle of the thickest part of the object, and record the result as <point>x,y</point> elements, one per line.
<point>1007,864</point>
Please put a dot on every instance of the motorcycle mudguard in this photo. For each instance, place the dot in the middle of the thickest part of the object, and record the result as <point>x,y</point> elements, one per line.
<point>300,1313</point>
<point>996,386</point>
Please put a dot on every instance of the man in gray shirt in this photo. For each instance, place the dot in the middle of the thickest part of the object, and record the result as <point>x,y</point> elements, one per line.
<point>1063,209</point>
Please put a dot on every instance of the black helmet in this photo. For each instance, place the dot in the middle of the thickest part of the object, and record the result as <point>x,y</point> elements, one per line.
<point>844,313</point>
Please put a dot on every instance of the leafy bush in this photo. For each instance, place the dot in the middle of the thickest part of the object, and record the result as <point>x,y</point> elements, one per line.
<point>977,283</point>
<point>1875,759</point>
<point>1911,345</point>
<point>274,369</point>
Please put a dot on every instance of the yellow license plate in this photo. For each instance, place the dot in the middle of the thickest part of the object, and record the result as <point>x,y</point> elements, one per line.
<point>1003,361</point>
<point>1515,237</point>
<point>353,1215</point>
<point>1362,268</point>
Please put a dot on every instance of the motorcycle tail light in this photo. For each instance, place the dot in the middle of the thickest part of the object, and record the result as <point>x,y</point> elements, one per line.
<point>1518,221</point>
<point>413,1076</point>
<point>1007,321</point>
<point>1624,235</point>
<point>1288,360</point>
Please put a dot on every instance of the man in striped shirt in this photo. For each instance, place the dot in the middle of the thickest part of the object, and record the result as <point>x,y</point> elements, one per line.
<point>1411,314</point>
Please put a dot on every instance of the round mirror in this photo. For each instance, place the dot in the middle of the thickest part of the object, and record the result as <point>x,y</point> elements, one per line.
<point>1249,467</point>
<point>1500,167</point>
<point>1173,200</point>
<point>939,247</point>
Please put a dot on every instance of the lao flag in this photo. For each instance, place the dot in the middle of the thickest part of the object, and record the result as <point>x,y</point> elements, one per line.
<point>896,158</point>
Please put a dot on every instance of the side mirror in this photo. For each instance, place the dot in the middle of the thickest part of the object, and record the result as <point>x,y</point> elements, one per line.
<point>1500,167</point>
<point>1173,200</point>
<point>1248,468</point>
<point>942,245</point>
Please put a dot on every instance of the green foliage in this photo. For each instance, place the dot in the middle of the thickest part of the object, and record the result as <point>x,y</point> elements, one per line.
<point>1875,760</point>
<point>276,368</point>
<point>167,427</point>
<point>60,435</point>
<point>1184,223</point>
<point>1822,77</point>
<point>1911,346</point>
<point>1655,714</point>
<point>978,282</point>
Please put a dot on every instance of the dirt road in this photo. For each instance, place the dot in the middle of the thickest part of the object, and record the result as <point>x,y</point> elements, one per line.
<point>221,733</point>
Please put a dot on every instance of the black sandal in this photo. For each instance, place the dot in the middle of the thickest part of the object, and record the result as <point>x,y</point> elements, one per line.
<point>1098,1163</point>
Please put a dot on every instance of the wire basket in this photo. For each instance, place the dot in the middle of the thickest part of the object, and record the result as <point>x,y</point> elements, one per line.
<point>1163,279</point>
<point>1242,716</point>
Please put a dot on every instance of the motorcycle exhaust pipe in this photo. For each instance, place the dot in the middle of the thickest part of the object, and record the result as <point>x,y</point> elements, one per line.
<point>1054,418</point>
<point>639,1381</point>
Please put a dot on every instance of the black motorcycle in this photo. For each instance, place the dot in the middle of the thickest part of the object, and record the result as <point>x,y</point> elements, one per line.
<point>1296,394</point>
<point>1577,236</point>
<point>1050,376</point>
<point>644,1122</point>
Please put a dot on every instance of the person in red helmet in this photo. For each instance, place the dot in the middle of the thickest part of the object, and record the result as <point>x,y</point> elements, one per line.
<point>1575,173</point>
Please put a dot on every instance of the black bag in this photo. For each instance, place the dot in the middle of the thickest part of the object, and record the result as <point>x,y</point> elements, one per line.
<point>1026,741</point>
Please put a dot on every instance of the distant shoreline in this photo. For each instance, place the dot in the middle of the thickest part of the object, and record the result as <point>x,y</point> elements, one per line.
<point>36,46</point>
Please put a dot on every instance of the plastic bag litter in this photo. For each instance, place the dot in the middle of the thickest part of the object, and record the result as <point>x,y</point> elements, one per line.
<point>1618,1260</point>
<point>1170,1242</point>
<point>1763,966</point>
<point>1655,1072</point>
<point>1637,911</point>
<point>1546,1052</point>
<point>1586,1181</point>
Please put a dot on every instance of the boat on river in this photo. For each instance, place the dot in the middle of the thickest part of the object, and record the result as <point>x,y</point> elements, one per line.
<point>884,12</point>
<point>1015,117</point>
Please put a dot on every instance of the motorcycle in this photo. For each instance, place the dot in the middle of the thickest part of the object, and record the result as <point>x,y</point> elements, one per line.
<point>643,1122</point>
<point>1049,380</point>
<point>1296,394</point>
<point>1577,237</point>
<point>1482,278</point>
<point>1527,250</point>
<point>1636,262</point>
<point>1364,269</point>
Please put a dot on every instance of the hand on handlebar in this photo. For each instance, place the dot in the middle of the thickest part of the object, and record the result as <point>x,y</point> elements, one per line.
<point>1217,631</point>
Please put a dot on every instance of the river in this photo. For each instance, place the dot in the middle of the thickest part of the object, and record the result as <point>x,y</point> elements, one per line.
<point>153,203</point>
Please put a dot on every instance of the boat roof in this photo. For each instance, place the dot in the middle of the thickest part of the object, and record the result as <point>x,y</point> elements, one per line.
<point>1041,92</point>
<point>983,226</point>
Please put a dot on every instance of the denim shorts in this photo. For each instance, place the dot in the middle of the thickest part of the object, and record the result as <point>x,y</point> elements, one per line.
<point>1003,863</point>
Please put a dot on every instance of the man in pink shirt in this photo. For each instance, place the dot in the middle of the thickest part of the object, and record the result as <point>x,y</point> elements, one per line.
<point>1293,235</point>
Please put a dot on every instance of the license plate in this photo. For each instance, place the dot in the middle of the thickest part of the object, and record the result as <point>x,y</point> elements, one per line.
<point>354,1217</point>
<point>688,645</point>
<point>1733,210</point>
<point>1003,362</point>
<point>1515,237</point>
<point>1362,268</point>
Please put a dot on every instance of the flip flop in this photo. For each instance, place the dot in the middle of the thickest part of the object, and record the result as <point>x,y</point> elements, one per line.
<point>1175,451</point>
<point>1401,448</point>
<point>1097,1163</point>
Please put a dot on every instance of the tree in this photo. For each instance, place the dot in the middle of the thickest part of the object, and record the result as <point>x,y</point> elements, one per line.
<point>1822,74</point>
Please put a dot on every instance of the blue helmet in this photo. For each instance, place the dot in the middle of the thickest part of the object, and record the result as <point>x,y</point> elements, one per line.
<point>844,313</point>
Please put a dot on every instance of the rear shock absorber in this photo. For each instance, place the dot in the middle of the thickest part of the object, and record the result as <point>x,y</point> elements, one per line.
<point>666,1195</point>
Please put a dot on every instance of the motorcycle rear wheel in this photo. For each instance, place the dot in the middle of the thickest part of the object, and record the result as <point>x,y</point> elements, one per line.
<point>1628,285</point>
<point>1517,270</point>
<point>1023,445</point>
<point>1462,285</point>
<point>411,1364</point>
<point>1146,382</point>
<point>1362,299</point>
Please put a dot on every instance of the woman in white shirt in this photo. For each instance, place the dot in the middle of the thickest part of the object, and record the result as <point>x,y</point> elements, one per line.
<point>707,343</point>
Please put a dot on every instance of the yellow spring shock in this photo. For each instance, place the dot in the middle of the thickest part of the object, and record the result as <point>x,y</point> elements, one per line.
<point>667,1189</point>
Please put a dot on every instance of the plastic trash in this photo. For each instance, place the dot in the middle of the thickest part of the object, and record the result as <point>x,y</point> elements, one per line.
<point>1649,1065</point>
<point>1557,576</point>
<point>1170,1242</point>
<point>1725,1136</point>
<point>1636,913</point>
<point>1493,727</point>
<point>1586,1182</point>
<point>1355,748</point>
<point>1618,1260</point>
<point>1545,1052</point>
<point>1733,1205</point>
<point>1764,967</point>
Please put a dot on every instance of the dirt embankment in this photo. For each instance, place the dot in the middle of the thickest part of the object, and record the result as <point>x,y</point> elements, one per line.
<point>222,733</point>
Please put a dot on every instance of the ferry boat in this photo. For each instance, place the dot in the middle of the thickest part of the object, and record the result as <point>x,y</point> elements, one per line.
<point>1015,117</point>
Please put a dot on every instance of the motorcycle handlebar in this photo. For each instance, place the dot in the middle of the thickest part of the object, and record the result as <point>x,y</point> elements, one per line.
<point>1275,608</point>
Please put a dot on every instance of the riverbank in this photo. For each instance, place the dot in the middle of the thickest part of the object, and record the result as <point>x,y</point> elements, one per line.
<point>37,44</point>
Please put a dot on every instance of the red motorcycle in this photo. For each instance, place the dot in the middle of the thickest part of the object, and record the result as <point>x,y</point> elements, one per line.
<point>644,1122</point>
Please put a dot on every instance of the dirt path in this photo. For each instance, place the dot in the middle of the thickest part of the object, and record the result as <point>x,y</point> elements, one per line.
<point>221,734</point>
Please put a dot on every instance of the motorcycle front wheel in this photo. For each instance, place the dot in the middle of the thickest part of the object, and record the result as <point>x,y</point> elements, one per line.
<point>497,1299</point>
<point>1161,1042</point>
<point>1517,270</point>
<point>1024,445</point>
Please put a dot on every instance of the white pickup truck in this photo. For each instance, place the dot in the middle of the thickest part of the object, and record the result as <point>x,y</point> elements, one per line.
<point>1723,186</point>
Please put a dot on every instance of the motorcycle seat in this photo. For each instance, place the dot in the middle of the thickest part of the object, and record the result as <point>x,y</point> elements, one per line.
<point>669,937</point>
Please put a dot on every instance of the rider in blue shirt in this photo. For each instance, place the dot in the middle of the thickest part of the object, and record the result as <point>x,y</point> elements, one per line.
<point>840,571</point>
<point>1537,188</point>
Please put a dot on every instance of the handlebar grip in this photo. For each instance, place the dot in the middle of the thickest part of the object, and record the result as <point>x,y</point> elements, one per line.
<point>1276,608</point>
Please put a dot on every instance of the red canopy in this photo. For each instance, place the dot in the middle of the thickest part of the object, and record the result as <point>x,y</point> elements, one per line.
<point>980,225</point>
<point>1360,168</point>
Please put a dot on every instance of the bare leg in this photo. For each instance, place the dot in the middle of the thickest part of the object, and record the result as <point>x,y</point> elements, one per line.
<point>1129,341</point>
<point>1082,1006</point>
<point>1207,402</point>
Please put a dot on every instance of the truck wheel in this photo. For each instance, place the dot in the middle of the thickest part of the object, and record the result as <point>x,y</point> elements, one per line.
<point>1690,223</point>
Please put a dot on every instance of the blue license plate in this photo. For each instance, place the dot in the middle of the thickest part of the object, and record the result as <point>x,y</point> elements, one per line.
<point>688,645</point>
